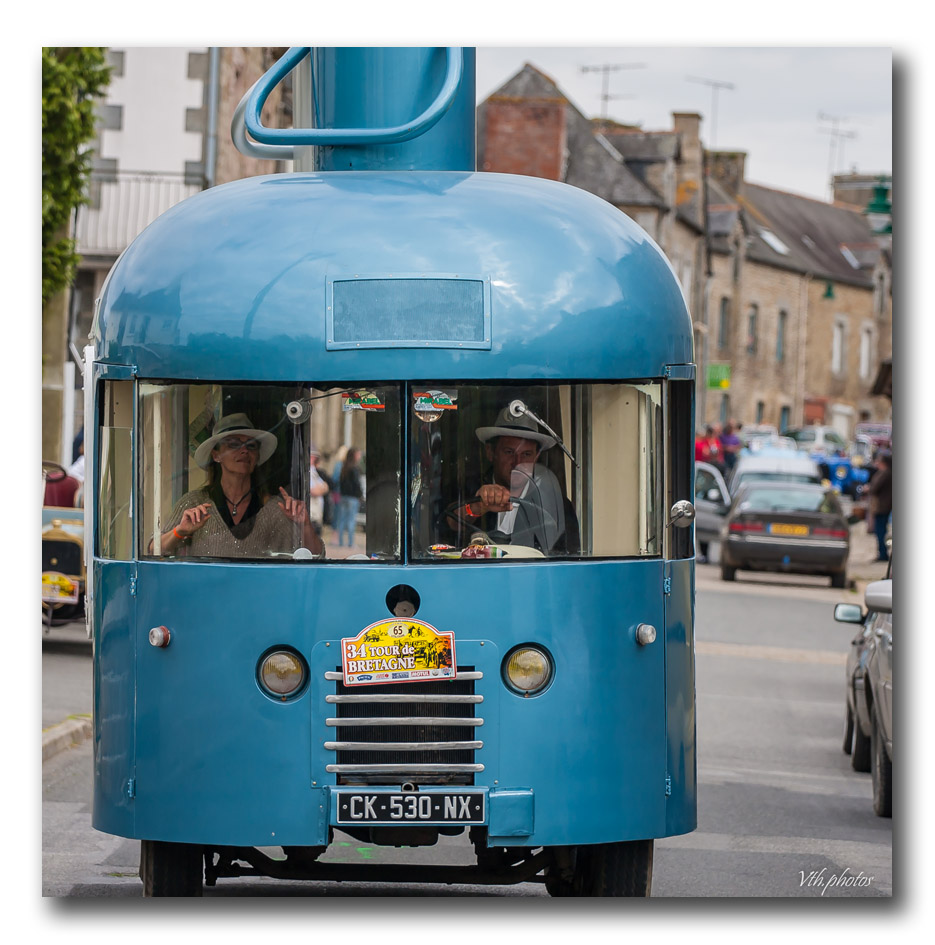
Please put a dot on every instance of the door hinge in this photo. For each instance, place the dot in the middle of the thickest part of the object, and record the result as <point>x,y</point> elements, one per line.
<point>668,785</point>
<point>667,586</point>
<point>133,585</point>
<point>131,787</point>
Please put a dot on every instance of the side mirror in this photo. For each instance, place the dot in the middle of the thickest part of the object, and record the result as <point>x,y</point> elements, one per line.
<point>849,613</point>
<point>682,514</point>
<point>879,596</point>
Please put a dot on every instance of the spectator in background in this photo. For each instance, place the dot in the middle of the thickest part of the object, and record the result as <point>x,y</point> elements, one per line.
<point>351,489</point>
<point>319,485</point>
<point>730,446</point>
<point>708,447</point>
<point>880,490</point>
<point>76,470</point>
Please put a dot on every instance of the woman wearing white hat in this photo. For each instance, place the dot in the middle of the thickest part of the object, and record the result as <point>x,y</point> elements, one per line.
<point>229,516</point>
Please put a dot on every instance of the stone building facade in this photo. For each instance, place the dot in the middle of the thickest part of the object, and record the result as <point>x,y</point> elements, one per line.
<point>790,297</point>
<point>801,306</point>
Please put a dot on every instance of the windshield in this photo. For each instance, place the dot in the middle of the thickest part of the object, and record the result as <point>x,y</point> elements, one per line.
<point>534,471</point>
<point>287,473</point>
<point>307,472</point>
<point>790,500</point>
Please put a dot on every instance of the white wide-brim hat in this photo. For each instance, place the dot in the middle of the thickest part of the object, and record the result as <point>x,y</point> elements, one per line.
<point>508,425</point>
<point>236,423</point>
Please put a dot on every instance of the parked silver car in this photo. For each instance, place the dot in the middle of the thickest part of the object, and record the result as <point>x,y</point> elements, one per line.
<point>712,500</point>
<point>870,683</point>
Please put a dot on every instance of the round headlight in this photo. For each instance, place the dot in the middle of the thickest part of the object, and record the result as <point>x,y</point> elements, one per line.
<point>282,673</point>
<point>527,669</point>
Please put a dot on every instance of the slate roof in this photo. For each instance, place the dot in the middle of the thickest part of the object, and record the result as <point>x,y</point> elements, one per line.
<point>789,231</point>
<point>832,241</point>
<point>593,163</point>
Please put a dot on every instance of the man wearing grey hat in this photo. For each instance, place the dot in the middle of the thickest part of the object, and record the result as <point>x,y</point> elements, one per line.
<point>513,446</point>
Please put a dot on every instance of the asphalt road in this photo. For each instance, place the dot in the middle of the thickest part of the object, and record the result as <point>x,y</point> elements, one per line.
<point>781,813</point>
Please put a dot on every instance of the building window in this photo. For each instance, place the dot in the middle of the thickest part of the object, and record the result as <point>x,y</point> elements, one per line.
<point>781,336</point>
<point>838,356</point>
<point>751,329</point>
<point>880,293</point>
<point>760,411</point>
<point>783,419</point>
<point>866,347</point>
<point>723,325</point>
<point>725,408</point>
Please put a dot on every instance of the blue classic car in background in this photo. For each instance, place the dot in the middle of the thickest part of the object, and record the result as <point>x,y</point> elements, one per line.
<point>842,467</point>
<point>848,476</point>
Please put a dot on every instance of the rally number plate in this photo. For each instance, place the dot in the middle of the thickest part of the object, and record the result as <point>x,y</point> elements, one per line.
<point>419,807</point>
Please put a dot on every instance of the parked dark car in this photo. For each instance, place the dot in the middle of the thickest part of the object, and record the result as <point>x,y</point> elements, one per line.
<point>788,527</point>
<point>712,501</point>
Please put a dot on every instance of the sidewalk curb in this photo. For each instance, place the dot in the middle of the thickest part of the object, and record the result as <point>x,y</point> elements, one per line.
<point>57,738</point>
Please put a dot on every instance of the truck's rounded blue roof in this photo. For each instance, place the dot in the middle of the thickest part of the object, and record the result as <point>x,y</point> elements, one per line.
<point>233,283</point>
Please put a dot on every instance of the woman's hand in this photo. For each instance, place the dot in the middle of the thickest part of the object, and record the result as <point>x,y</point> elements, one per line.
<point>294,508</point>
<point>193,519</point>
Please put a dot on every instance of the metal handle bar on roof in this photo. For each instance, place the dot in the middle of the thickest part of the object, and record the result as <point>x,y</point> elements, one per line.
<point>256,99</point>
<point>274,152</point>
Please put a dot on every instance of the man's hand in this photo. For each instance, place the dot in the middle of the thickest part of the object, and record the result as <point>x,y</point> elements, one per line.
<point>494,498</point>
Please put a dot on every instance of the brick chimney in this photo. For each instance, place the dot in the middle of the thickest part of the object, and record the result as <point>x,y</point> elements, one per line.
<point>727,168</point>
<point>690,167</point>
<point>525,136</point>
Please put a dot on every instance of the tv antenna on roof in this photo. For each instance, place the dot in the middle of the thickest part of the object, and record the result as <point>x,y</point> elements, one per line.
<point>605,70</point>
<point>837,145</point>
<point>715,88</point>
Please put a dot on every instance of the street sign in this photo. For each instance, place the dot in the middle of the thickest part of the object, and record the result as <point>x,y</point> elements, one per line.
<point>718,377</point>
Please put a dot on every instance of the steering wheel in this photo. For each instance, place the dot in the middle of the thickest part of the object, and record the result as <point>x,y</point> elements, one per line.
<point>453,512</point>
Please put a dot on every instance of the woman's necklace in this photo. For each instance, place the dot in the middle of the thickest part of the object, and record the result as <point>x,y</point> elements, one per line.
<point>233,504</point>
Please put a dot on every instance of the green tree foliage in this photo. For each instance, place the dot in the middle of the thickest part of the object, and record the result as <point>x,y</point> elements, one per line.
<point>72,78</point>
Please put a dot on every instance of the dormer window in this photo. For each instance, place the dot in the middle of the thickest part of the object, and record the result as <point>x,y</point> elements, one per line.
<point>774,242</point>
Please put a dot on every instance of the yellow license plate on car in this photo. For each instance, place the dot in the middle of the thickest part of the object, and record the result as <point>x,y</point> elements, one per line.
<point>781,528</point>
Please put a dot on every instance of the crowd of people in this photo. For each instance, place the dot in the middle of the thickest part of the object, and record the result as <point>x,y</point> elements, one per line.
<point>719,445</point>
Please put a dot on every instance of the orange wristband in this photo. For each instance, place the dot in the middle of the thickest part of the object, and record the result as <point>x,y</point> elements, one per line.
<point>180,537</point>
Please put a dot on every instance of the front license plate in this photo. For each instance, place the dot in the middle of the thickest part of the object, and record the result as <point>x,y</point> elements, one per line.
<point>421,807</point>
<point>56,588</point>
<point>779,528</point>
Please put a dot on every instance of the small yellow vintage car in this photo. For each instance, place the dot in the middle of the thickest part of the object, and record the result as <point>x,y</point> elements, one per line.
<point>63,569</point>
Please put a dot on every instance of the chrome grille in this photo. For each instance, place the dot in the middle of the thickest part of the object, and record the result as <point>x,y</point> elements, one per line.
<point>423,732</point>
